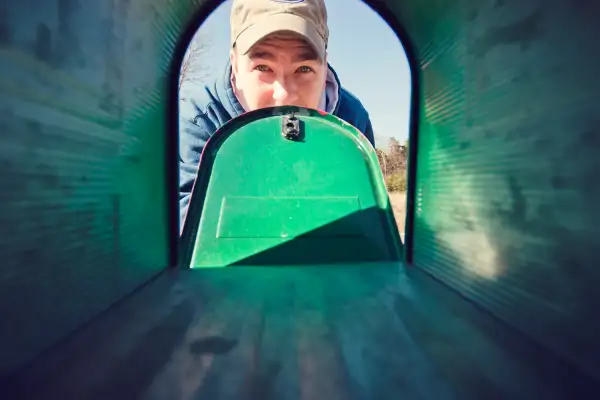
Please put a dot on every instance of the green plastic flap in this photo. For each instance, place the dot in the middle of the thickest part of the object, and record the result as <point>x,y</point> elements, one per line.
<point>265,197</point>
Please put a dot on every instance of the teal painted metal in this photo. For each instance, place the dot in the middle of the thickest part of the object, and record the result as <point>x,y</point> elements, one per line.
<point>507,189</point>
<point>505,91</point>
<point>263,199</point>
<point>83,194</point>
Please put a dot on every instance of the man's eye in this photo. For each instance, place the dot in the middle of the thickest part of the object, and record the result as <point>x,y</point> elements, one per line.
<point>262,68</point>
<point>305,69</point>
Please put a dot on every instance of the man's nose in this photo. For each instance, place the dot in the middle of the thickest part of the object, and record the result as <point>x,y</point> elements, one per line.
<point>284,93</point>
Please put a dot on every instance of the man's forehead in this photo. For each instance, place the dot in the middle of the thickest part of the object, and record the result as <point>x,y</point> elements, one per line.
<point>271,46</point>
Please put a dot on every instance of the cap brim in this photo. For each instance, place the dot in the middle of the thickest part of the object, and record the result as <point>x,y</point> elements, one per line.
<point>276,23</point>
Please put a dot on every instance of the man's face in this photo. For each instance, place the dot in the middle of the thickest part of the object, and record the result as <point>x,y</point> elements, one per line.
<point>282,69</point>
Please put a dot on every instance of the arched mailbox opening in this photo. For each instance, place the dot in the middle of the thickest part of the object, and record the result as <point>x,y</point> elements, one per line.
<point>403,217</point>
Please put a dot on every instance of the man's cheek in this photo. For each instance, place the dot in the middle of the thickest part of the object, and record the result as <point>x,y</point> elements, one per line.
<point>264,99</point>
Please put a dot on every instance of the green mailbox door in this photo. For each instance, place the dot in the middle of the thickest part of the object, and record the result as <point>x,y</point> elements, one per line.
<point>289,186</point>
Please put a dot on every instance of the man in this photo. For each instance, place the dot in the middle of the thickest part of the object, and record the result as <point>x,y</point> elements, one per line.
<point>278,57</point>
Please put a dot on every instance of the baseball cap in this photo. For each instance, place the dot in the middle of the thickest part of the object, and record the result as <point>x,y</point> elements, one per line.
<point>252,20</point>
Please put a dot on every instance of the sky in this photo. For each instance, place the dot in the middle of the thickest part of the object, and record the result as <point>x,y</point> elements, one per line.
<point>365,52</point>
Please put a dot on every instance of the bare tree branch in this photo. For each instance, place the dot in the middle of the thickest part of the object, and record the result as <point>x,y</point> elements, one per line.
<point>194,68</point>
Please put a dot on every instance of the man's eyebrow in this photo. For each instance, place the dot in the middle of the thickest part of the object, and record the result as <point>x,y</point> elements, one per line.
<point>307,56</point>
<point>265,55</point>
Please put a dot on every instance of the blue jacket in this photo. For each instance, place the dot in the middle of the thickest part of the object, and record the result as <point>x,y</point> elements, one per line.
<point>203,111</point>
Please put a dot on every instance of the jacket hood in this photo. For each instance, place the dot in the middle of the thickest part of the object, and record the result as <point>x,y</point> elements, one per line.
<point>331,94</point>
